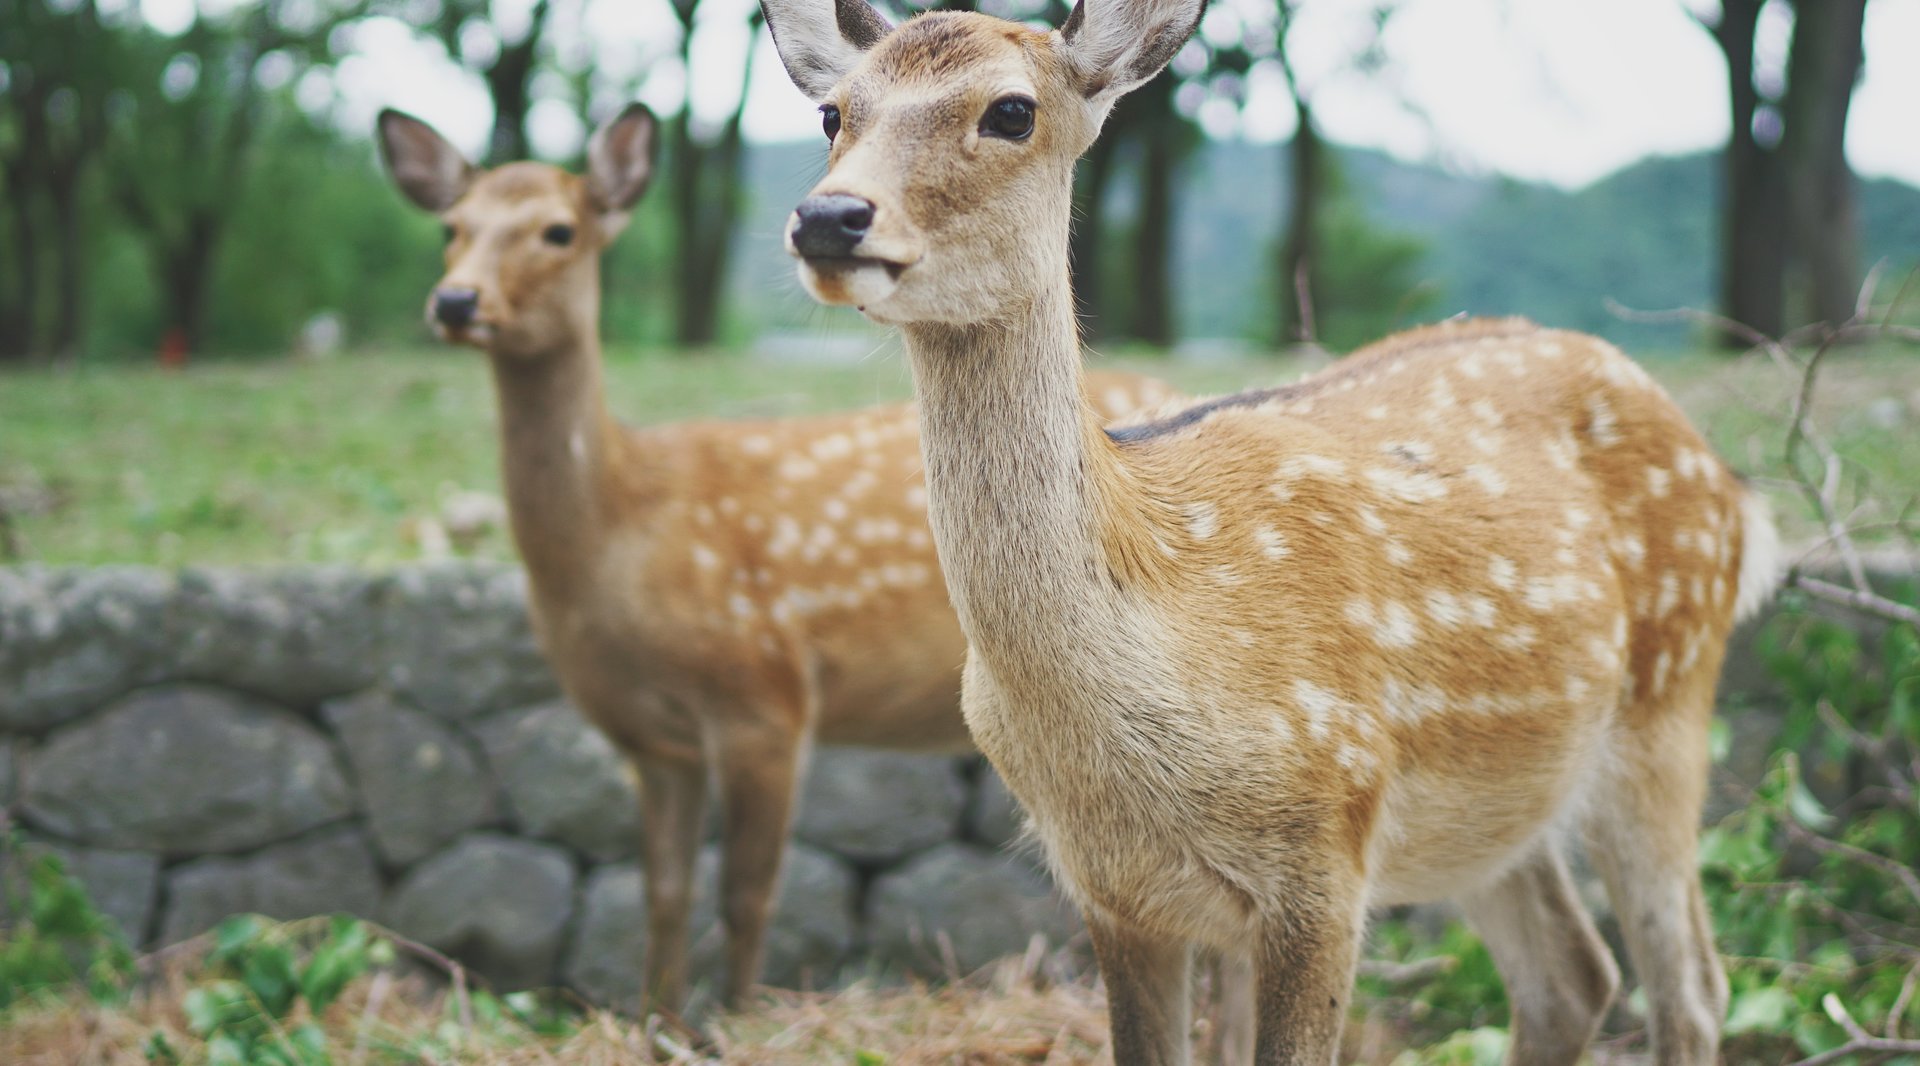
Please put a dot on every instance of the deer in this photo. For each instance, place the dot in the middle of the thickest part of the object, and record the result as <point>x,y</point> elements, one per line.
<point>714,596</point>
<point>1407,630</point>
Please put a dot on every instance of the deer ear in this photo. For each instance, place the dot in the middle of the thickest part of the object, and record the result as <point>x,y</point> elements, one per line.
<point>431,172</point>
<point>619,164</point>
<point>1114,46</point>
<point>820,40</point>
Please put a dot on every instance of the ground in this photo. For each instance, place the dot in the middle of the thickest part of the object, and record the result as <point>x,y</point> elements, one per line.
<point>367,458</point>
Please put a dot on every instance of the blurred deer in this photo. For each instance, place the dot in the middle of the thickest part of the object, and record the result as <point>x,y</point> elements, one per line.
<point>1388,635</point>
<point>714,596</point>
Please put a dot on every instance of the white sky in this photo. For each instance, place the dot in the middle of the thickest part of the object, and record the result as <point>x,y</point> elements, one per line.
<point>1556,90</point>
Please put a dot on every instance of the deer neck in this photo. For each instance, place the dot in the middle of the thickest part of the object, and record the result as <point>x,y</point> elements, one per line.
<point>559,450</point>
<point>1023,485</point>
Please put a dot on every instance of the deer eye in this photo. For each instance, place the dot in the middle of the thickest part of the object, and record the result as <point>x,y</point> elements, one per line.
<point>447,230</point>
<point>559,235</point>
<point>830,121</point>
<point>1010,117</point>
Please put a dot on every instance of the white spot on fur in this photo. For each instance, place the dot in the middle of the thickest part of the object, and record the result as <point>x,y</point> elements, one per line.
<point>705,558</point>
<point>1486,412</point>
<point>1272,544</point>
<point>1661,667</point>
<point>1502,572</point>
<point>1669,594</point>
<point>757,444</point>
<point>917,498</point>
<point>1397,553</point>
<point>1759,557</point>
<point>577,446</point>
<point>1519,638</point>
<point>1319,705</point>
<point>835,509</point>
<point>1408,704</point>
<point>1659,481</point>
<point>1480,609</point>
<point>741,606</point>
<point>795,468</point>
<point>1203,520</point>
<point>1604,425</point>
<point>1371,519</point>
<point>1411,486</point>
<point>1444,607</point>
<point>1488,478</point>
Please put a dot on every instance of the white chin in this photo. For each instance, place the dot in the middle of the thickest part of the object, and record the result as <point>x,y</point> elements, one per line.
<point>862,283</point>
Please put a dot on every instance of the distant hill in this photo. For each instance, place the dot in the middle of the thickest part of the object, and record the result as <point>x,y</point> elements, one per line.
<point>1643,236</point>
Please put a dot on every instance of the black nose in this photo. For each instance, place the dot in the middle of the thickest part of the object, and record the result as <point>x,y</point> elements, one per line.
<point>829,227</point>
<point>455,307</point>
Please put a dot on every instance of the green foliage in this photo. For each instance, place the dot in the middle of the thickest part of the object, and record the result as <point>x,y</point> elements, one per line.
<point>268,984</point>
<point>56,938</point>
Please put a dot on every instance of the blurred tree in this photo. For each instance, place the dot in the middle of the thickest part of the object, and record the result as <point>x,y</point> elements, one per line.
<point>1787,194</point>
<point>704,167</point>
<point>470,31</point>
<point>1821,74</point>
<point>57,62</point>
<point>184,125</point>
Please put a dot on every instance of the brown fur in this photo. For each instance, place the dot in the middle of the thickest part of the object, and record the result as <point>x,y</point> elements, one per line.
<point>714,596</point>
<point>1387,636</point>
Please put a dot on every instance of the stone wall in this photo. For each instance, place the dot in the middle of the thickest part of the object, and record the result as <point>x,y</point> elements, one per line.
<point>305,741</point>
<point>297,742</point>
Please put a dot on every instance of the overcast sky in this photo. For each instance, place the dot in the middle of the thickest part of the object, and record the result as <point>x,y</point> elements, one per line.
<point>1556,90</point>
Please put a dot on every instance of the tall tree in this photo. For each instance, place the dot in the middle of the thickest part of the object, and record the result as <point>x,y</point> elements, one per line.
<point>60,62</point>
<point>1788,203</point>
<point>469,31</point>
<point>1825,66</point>
<point>184,134</point>
<point>707,194</point>
<point>1753,226</point>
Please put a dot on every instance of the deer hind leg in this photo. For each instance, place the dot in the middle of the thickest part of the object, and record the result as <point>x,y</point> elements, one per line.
<point>1147,992</point>
<point>1233,1009</point>
<point>673,798</point>
<point>759,765</point>
<point>1558,972</point>
<point>1642,836</point>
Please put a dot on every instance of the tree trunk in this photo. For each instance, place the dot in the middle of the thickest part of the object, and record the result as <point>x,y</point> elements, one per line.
<point>510,84</point>
<point>16,327</point>
<point>1300,250</point>
<point>69,272</point>
<point>1153,233</point>
<point>1825,64</point>
<point>1091,179</point>
<point>187,280</point>
<point>1753,231</point>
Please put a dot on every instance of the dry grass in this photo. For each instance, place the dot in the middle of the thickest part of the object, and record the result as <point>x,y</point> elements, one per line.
<point>1011,1013</point>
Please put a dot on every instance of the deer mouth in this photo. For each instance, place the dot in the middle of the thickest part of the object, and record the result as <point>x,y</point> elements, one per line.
<point>856,280</point>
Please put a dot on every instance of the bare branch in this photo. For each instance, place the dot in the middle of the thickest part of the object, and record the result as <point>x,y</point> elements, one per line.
<point>1860,600</point>
<point>1901,1001</point>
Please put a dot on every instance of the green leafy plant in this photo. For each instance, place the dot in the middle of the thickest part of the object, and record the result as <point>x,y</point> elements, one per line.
<point>57,938</point>
<point>269,983</point>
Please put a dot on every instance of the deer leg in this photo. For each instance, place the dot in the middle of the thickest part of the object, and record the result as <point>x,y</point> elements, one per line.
<point>673,796</point>
<point>1308,956</point>
<point>1643,842</point>
<point>1147,992</point>
<point>1233,1008</point>
<point>759,766</point>
<point>1558,972</point>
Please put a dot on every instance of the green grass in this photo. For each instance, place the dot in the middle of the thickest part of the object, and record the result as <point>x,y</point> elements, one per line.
<point>339,459</point>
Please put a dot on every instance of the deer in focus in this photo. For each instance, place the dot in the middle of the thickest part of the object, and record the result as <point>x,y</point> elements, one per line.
<point>1401,632</point>
<point>717,596</point>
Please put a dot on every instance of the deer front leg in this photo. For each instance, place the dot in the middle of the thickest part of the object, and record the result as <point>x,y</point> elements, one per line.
<point>759,766</point>
<point>1306,964</point>
<point>673,797</point>
<point>1147,994</point>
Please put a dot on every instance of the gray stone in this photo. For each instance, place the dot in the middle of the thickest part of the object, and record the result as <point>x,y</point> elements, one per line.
<point>332,872</point>
<point>121,884</point>
<point>810,935</point>
<point>564,781</point>
<point>420,784</point>
<point>457,643</point>
<point>984,904</point>
<point>71,639</point>
<point>185,770</point>
<point>296,636</point>
<point>498,904</point>
<point>996,818</point>
<point>874,806</point>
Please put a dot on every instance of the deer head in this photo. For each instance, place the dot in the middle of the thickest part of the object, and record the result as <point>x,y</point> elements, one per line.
<point>524,239</point>
<point>953,138</point>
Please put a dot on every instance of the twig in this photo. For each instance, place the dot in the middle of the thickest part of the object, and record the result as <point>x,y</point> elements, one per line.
<point>376,995</point>
<point>1860,1041</point>
<point>1867,602</point>
<point>1900,1003</point>
<point>1407,973</point>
